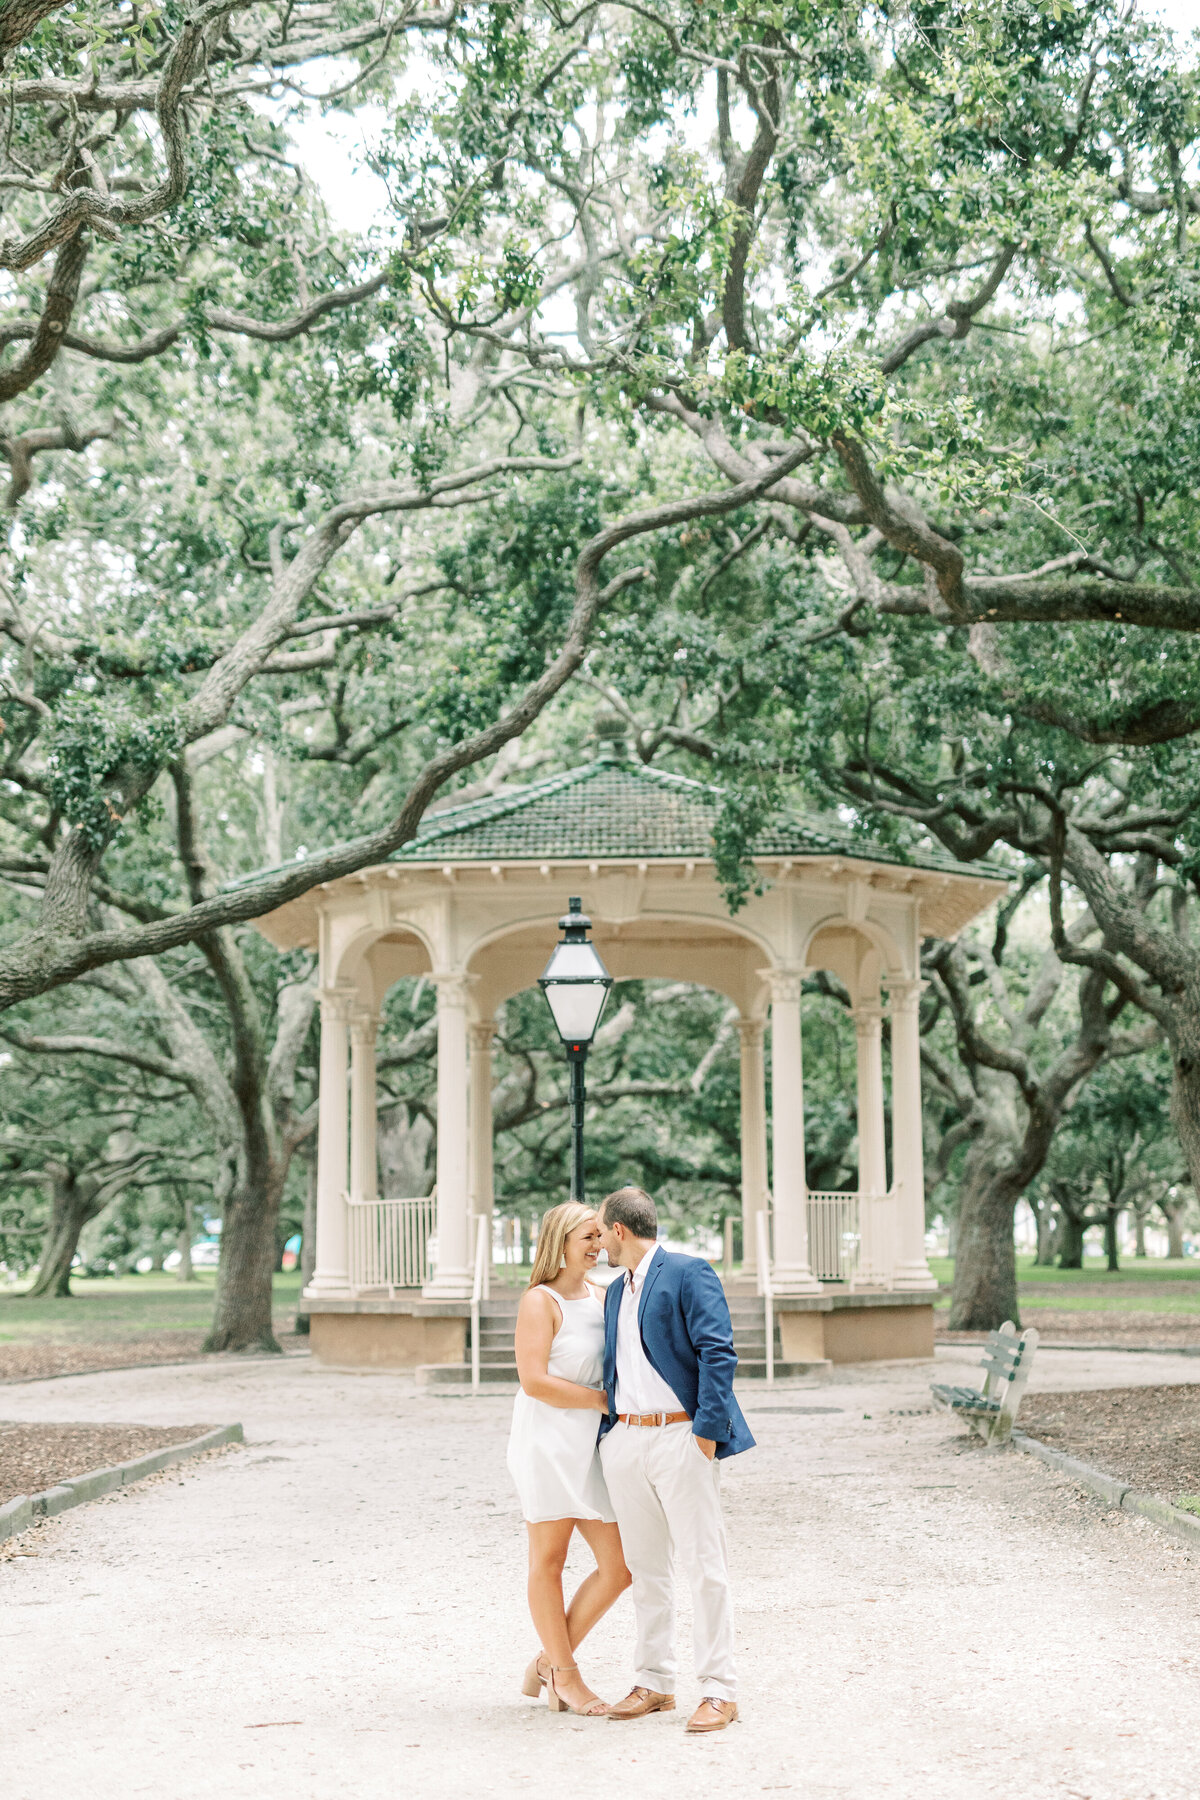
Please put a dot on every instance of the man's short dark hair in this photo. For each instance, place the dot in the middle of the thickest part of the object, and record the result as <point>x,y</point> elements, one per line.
<point>633,1208</point>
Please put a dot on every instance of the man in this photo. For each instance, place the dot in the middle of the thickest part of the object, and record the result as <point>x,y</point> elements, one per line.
<point>668,1372</point>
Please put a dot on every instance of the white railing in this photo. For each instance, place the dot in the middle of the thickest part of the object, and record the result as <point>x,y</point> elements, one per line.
<point>833,1235</point>
<point>763,1227</point>
<point>483,1256</point>
<point>876,1248</point>
<point>850,1238</point>
<point>389,1243</point>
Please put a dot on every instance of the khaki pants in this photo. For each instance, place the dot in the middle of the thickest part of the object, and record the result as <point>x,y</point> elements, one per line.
<point>666,1495</point>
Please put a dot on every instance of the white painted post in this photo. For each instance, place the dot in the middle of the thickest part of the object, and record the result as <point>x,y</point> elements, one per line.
<point>792,1272</point>
<point>763,1233</point>
<point>451,1279</point>
<point>872,1135</point>
<point>480,1035</point>
<point>364,1162</point>
<point>754,1136</point>
<point>483,1251</point>
<point>912,1272</point>
<point>331,1276</point>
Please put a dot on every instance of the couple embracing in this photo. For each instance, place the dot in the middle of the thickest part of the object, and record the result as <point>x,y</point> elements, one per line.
<point>654,1358</point>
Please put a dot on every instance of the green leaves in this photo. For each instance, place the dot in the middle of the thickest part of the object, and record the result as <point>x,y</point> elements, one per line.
<point>102,754</point>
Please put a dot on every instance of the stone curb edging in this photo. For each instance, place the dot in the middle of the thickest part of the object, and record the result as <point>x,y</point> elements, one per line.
<point>1114,1493</point>
<point>19,1514</point>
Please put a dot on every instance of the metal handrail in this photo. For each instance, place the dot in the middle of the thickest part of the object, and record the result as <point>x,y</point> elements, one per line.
<point>764,1282</point>
<point>482,1246</point>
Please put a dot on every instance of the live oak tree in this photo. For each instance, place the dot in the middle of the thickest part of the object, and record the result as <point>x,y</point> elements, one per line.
<point>103,697</point>
<point>1029,1034</point>
<point>898,303</point>
<point>72,1141</point>
<point>1116,1154</point>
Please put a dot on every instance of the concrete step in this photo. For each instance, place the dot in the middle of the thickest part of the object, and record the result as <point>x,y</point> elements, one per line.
<point>757,1371</point>
<point>459,1374</point>
<point>504,1374</point>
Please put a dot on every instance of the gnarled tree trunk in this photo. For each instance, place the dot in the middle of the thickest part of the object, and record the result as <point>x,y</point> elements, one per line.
<point>985,1263</point>
<point>242,1315</point>
<point>74,1200</point>
<point>1111,1216</point>
<point>186,1232</point>
<point>1070,1240</point>
<point>1173,1215</point>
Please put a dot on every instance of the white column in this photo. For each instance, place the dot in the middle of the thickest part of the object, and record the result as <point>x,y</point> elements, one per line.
<point>331,1276</point>
<point>791,1273</point>
<point>908,1158</point>
<point>364,1164</point>
<point>452,1278</point>
<point>480,1035</point>
<point>754,1137</point>
<point>872,1140</point>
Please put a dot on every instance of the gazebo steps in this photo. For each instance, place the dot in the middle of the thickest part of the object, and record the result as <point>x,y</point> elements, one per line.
<point>497,1321</point>
<point>504,1374</point>
<point>459,1374</point>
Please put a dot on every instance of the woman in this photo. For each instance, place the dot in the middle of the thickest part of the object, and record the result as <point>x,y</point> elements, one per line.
<point>552,1451</point>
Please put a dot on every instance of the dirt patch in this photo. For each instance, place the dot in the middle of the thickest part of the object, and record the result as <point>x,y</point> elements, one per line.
<point>41,1358</point>
<point>36,1457</point>
<point>1148,1436</point>
<point>1129,1330</point>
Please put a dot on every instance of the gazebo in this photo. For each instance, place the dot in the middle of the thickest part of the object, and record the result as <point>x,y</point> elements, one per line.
<point>471,903</point>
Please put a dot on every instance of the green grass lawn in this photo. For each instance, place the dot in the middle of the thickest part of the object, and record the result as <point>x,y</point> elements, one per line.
<point>123,1306</point>
<point>1153,1285</point>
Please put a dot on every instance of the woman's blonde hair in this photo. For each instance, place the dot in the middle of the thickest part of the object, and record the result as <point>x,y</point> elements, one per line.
<point>556,1227</point>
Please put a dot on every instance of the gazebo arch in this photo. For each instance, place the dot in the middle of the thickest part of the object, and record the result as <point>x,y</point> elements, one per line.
<point>471,902</point>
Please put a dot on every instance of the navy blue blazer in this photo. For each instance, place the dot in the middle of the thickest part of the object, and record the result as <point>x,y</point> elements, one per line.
<point>688,1338</point>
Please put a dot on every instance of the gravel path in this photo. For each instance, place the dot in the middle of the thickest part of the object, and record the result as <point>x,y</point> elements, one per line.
<point>338,1608</point>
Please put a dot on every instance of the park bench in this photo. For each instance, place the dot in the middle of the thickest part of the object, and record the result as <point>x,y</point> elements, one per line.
<point>992,1409</point>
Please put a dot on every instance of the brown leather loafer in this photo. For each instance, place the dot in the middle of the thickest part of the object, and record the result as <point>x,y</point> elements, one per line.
<point>640,1701</point>
<point>713,1715</point>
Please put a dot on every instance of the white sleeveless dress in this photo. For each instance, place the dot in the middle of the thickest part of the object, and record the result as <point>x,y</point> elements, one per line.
<point>552,1454</point>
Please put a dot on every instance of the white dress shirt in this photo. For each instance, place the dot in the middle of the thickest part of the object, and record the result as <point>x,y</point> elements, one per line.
<point>640,1387</point>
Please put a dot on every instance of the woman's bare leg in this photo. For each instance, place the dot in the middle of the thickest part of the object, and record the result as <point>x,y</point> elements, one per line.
<point>606,1583</point>
<point>548,1544</point>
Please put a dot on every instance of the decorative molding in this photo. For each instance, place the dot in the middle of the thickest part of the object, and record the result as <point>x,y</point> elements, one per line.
<point>481,1035</point>
<point>364,1029</point>
<point>904,993</point>
<point>615,899</point>
<point>452,985</point>
<point>858,899</point>
<point>785,984</point>
<point>336,1004</point>
<point>752,1033</point>
<point>868,1018</point>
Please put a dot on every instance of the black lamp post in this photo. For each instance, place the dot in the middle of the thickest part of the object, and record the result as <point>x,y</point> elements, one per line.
<point>576,984</point>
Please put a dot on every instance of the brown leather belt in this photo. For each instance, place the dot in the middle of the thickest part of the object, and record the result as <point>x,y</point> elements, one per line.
<point>654,1418</point>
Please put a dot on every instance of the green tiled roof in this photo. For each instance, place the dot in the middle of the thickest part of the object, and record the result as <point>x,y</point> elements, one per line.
<point>612,809</point>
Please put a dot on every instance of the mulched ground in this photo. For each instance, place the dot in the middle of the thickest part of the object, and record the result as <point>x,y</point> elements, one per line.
<point>1148,1436</point>
<point>1129,1330</point>
<point>35,1457</point>
<point>34,1358</point>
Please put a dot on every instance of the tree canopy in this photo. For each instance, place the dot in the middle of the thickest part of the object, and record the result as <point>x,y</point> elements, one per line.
<point>817,384</point>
